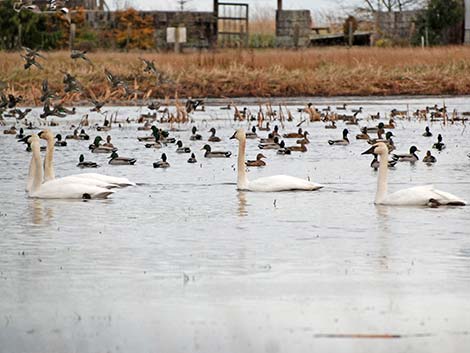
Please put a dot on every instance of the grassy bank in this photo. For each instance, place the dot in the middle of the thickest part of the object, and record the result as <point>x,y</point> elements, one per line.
<point>268,73</point>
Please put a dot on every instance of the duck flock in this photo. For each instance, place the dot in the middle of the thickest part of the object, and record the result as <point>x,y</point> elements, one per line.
<point>173,129</point>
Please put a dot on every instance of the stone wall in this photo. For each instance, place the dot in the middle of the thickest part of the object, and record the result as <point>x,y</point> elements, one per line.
<point>201,27</point>
<point>293,28</point>
<point>399,26</point>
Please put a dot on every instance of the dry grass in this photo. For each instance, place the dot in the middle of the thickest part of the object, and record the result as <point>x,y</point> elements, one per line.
<point>269,73</point>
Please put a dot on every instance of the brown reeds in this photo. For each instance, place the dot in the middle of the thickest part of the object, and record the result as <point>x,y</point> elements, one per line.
<point>262,73</point>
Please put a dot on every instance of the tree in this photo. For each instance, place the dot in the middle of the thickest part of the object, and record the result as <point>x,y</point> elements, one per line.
<point>392,5</point>
<point>441,22</point>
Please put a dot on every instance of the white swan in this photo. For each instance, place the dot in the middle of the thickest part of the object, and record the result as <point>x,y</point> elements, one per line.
<point>266,184</point>
<point>84,178</point>
<point>58,190</point>
<point>424,195</point>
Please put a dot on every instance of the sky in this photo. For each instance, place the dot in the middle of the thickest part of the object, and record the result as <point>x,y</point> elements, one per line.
<point>206,5</point>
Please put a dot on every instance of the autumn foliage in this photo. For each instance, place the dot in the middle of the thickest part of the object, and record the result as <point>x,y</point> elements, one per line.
<point>134,30</point>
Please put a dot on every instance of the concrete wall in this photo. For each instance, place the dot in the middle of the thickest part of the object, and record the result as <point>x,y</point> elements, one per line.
<point>293,28</point>
<point>399,26</point>
<point>201,27</point>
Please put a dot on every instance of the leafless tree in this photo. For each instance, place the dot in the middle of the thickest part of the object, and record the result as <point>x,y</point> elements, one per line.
<point>393,5</point>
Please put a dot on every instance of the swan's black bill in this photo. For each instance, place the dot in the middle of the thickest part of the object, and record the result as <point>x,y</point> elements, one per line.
<point>369,151</point>
<point>24,139</point>
<point>233,136</point>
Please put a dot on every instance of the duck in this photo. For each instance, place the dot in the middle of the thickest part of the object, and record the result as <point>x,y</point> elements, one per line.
<point>162,163</point>
<point>407,157</point>
<point>439,145</point>
<point>258,162</point>
<point>375,163</point>
<point>363,135</point>
<point>272,145</point>
<point>57,189</point>
<point>267,128</point>
<point>301,148</point>
<point>429,158</point>
<point>156,135</point>
<point>75,136</point>
<point>85,164</point>
<point>101,180</point>
<point>156,144</point>
<point>59,142</point>
<point>215,154</point>
<point>192,159</point>
<point>294,135</point>
<point>195,136</point>
<point>425,195</point>
<point>108,142</point>
<point>83,135</point>
<point>20,135</point>
<point>212,137</point>
<point>182,149</point>
<point>379,127</point>
<point>305,140</point>
<point>95,147</point>
<point>343,107</point>
<point>390,125</point>
<point>332,125</point>
<point>116,160</point>
<point>252,134</point>
<point>283,150</point>
<point>267,184</point>
<point>427,132</point>
<point>343,141</point>
<point>10,131</point>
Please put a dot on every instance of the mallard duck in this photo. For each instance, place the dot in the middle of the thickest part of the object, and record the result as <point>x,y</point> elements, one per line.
<point>116,160</point>
<point>331,126</point>
<point>156,135</point>
<point>363,135</point>
<point>215,154</point>
<point>270,138</point>
<point>390,125</point>
<point>305,140</point>
<point>252,134</point>
<point>375,163</point>
<point>270,145</point>
<point>267,128</point>
<point>343,107</point>
<point>192,159</point>
<point>162,163</point>
<point>380,126</point>
<point>292,135</point>
<point>343,141</point>
<point>258,162</point>
<point>95,147</point>
<point>83,164</point>
<point>195,136</point>
<point>21,134</point>
<point>182,149</point>
<point>75,136</point>
<point>83,135</point>
<point>59,142</point>
<point>407,157</point>
<point>427,132</point>
<point>429,158</point>
<point>212,137</point>
<point>283,150</point>
<point>439,145</point>
<point>301,148</point>
<point>108,142</point>
<point>10,131</point>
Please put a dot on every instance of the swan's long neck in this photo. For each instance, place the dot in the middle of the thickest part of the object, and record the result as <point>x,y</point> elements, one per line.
<point>49,161</point>
<point>37,168</point>
<point>382,179</point>
<point>242,180</point>
<point>31,171</point>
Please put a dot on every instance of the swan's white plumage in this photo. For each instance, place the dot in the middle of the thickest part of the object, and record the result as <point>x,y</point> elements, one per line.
<point>58,189</point>
<point>106,178</point>
<point>267,184</point>
<point>424,195</point>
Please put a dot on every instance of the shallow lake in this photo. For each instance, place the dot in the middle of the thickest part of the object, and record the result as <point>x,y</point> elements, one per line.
<point>184,262</point>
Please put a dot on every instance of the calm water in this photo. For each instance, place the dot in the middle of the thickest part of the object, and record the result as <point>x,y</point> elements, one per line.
<point>183,262</point>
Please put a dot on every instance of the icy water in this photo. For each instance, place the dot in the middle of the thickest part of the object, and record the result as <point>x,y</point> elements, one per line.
<point>186,263</point>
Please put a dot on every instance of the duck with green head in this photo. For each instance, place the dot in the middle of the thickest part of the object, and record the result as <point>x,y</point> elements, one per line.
<point>215,154</point>
<point>162,163</point>
<point>116,160</point>
<point>59,142</point>
<point>86,164</point>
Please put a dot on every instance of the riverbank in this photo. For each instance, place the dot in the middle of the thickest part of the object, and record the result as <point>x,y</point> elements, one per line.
<point>265,73</point>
